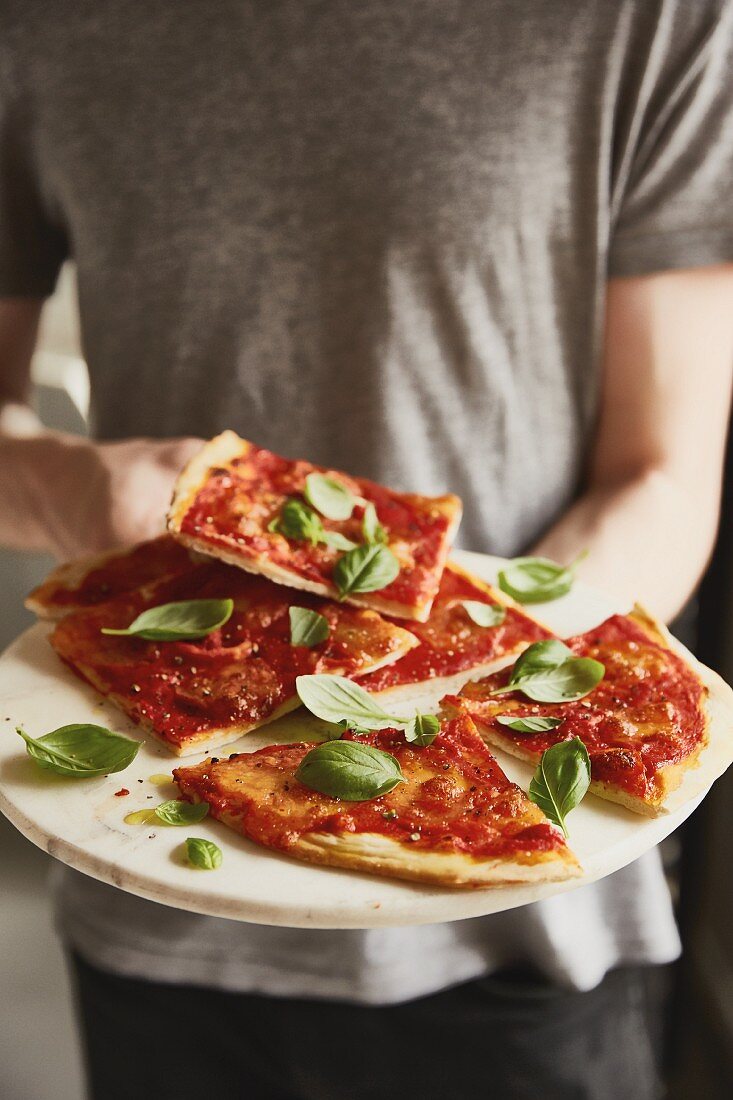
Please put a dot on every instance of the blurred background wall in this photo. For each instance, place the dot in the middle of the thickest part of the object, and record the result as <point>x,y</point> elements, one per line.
<point>39,1056</point>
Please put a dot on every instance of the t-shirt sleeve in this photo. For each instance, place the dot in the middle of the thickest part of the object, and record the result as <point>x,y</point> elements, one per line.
<point>674,196</point>
<point>33,244</point>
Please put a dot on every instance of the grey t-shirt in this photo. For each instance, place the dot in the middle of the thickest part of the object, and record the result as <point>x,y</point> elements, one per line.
<point>376,235</point>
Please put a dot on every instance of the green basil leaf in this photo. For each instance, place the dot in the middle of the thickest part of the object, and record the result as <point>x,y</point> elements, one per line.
<point>307,627</point>
<point>540,655</point>
<point>297,521</point>
<point>328,496</point>
<point>337,540</point>
<point>336,699</point>
<point>365,569</point>
<point>177,812</point>
<point>371,528</point>
<point>178,622</point>
<point>81,751</point>
<point>565,683</point>
<point>530,723</point>
<point>561,780</point>
<point>537,580</point>
<point>344,727</point>
<point>422,730</point>
<point>484,614</point>
<point>203,853</point>
<point>349,770</point>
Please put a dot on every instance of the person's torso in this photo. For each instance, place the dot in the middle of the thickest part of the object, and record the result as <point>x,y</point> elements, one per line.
<point>373,235</point>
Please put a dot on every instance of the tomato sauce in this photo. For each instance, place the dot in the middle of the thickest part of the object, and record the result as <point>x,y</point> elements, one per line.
<point>233,509</point>
<point>455,799</point>
<point>450,641</point>
<point>646,714</point>
<point>143,564</point>
<point>239,674</point>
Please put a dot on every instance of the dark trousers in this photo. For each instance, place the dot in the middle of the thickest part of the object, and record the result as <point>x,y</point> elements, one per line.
<point>498,1038</point>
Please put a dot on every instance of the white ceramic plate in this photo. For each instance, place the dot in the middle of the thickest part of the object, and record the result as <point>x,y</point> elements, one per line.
<point>81,822</point>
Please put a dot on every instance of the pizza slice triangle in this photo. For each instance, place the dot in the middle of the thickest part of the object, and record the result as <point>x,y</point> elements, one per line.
<point>244,505</point>
<point>643,725</point>
<point>453,819</point>
<point>212,690</point>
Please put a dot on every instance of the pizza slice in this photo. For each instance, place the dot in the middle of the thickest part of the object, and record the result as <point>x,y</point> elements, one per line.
<point>240,676</point>
<point>453,819</point>
<point>270,515</point>
<point>91,581</point>
<point>644,724</point>
<point>471,628</point>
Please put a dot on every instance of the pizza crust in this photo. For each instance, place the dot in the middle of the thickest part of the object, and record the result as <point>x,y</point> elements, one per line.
<point>219,451</point>
<point>383,855</point>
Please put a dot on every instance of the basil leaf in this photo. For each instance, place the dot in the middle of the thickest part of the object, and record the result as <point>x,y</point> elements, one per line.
<point>328,496</point>
<point>178,622</point>
<point>422,730</point>
<point>540,655</point>
<point>561,780</point>
<point>530,723</point>
<point>371,528</point>
<point>336,699</point>
<point>537,580</point>
<point>484,614</point>
<point>350,727</point>
<point>337,540</point>
<point>203,853</point>
<point>297,521</point>
<point>81,751</point>
<point>177,812</point>
<point>565,683</point>
<point>365,569</point>
<point>349,770</point>
<point>307,627</point>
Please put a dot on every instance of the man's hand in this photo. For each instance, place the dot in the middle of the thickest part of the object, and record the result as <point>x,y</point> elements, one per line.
<point>71,497</point>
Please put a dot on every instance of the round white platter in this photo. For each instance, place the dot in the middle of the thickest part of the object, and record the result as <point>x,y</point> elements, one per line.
<point>81,822</point>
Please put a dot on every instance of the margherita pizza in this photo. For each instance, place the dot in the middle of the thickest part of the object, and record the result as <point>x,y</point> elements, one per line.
<point>643,725</point>
<point>91,581</point>
<point>454,646</point>
<point>454,819</point>
<point>319,530</point>
<point>210,691</point>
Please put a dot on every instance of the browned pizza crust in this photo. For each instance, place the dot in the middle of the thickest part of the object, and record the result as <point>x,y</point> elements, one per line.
<point>219,451</point>
<point>380,855</point>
